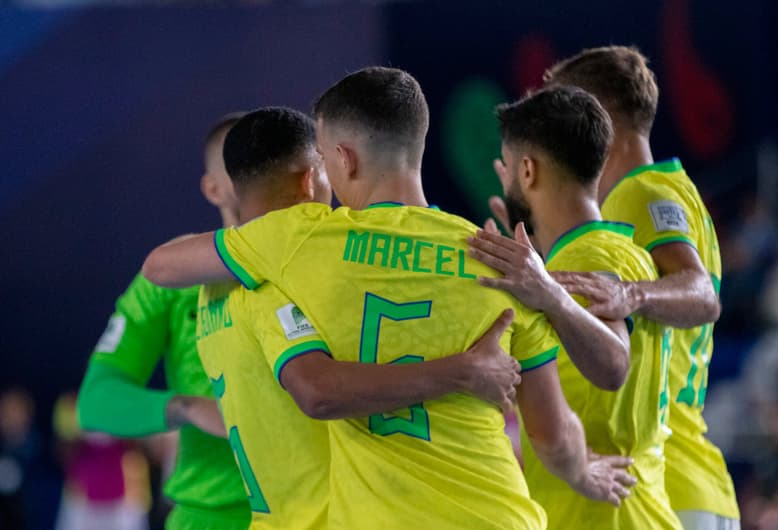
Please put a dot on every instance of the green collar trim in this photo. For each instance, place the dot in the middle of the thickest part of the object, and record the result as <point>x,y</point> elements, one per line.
<point>571,235</point>
<point>393,204</point>
<point>665,166</point>
<point>384,204</point>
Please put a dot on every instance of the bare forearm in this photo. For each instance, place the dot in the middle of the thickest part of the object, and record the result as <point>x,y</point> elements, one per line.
<point>184,262</point>
<point>567,456</point>
<point>684,299</point>
<point>343,390</point>
<point>596,350</point>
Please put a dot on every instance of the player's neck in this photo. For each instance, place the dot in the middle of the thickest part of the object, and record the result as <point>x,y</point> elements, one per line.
<point>565,211</point>
<point>630,150</point>
<point>404,188</point>
<point>229,216</point>
<point>256,205</point>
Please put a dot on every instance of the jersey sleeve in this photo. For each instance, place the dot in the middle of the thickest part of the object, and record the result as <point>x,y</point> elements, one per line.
<point>284,331</point>
<point>596,260</point>
<point>137,333</point>
<point>534,341</point>
<point>257,251</point>
<point>658,213</point>
<point>113,397</point>
<point>110,402</point>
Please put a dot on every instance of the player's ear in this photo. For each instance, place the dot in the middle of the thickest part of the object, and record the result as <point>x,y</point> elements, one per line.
<point>348,159</point>
<point>307,183</point>
<point>528,171</point>
<point>210,189</point>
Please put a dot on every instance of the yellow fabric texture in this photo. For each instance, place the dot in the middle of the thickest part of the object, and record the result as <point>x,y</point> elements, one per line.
<point>394,284</point>
<point>651,198</point>
<point>626,422</point>
<point>282,454</point>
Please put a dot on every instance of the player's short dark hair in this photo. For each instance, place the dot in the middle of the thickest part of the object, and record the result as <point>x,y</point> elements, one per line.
<point>265,141</point>
<point>619,77</point>
<point>386,103</point>
<point>565,122</point>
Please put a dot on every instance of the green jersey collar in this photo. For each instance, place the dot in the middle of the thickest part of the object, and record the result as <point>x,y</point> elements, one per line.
<point>384,204</point>
<point>665,166</point>
<point>623,229</point>
<point>393,204</point>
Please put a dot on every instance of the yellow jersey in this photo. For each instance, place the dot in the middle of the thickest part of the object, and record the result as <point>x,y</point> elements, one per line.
<point>393,284</point>
<point>283,455</point>
<point>663,204</point>
<point>628,421</point>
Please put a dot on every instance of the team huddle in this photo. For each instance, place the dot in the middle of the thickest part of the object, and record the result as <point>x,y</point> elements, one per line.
<point>363,357</point>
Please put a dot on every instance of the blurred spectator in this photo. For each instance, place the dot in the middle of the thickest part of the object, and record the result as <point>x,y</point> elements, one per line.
<point>748,249</point>
<point>161,450</point>
<point>743,415</point>
<point>19,447</point>
<point>106,480</point>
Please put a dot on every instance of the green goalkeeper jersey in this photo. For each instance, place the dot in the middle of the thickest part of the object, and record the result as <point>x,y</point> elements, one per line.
<point>150,324</point>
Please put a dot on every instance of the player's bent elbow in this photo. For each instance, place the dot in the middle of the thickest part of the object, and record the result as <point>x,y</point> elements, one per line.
<point>614,376</point>
<point>609,375</point>
<point>316,405</point>
<point>313,396</point>
<point>715,310</point>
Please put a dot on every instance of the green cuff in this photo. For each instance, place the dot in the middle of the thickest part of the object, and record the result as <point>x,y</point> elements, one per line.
<point>296,351</point>
<point>671,239</point>
<point>539,360</point>
<point>110,402</point>
<point>233,266</point>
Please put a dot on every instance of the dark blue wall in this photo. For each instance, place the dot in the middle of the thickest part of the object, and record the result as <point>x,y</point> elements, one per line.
<point>102,114</point>
<point>102,119</point>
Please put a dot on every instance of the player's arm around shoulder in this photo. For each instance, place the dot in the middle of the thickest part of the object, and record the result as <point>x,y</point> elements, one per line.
<point>684,296</point>
<point>557,437</point>
<point>249,253</point>
<point>668,227</point>
<point>185,261</point>
<point>327,389</point>
<point>599,349</point>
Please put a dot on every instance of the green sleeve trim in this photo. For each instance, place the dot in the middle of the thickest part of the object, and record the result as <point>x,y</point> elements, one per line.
<point>110,402</point>
<point>671,239</point>
<point>716,283</point>
<point>296,351</point>
<point>539,360</point>
<point>233,266</point>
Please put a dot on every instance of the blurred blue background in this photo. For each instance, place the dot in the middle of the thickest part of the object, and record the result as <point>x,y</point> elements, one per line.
<point>104,108</point>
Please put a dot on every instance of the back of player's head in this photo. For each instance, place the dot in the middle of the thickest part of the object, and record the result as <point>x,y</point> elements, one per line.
<point>619,77</point>
<point>385,105</point>
<point>565,122</point>
<point>269,142</point>
<point>215,136</point>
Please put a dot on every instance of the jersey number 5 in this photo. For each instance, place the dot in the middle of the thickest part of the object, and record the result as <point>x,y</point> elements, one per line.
<point>417,425</point>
